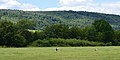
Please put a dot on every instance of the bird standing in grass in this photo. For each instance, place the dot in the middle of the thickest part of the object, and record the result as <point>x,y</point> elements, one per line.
<point>57,49</point>
<point>95,49</point>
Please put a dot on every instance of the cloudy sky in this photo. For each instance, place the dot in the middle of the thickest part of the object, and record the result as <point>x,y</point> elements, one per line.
<point>102,6</point>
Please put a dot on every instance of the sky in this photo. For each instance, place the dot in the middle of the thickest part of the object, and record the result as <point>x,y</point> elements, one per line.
<point>101,6</point>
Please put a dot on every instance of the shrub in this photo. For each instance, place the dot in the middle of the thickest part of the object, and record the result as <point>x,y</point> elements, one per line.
<point>109,44</point>
<point>64,42</point>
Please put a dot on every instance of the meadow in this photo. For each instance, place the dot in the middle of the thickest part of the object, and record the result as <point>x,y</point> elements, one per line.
<point>64,53</point>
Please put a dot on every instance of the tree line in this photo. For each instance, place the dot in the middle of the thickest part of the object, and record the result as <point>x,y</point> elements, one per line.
<point>17,34</point>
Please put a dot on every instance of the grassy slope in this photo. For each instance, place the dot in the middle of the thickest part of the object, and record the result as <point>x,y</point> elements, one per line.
<point>64,53</point>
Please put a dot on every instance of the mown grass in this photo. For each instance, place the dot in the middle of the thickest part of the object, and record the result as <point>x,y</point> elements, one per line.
<point>64,53</point>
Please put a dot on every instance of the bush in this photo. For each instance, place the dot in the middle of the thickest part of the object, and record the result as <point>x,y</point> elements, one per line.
<point>64,43</point>
<point>40,43</point>
<point>109,44</point>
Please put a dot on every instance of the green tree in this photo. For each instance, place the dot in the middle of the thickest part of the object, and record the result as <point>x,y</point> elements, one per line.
<point>75,32</point>
<point>6,27</point>
<point>104,30</point>
<point>117,35</point>
<point>27,35</point>
<point>9,34</point>
<point>39,35</point>
<point>117,38</point>
<point>18,41</point>
<point>90,33</point>
<point>26,24</point>
<point>57,31</point>
<point>102,26</point>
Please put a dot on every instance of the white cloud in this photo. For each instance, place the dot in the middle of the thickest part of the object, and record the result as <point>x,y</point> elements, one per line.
<point>8,4</point>
<point>74,2</point>
<point>29,7</point>
<point>3,7</point>
<point>4,0</point>
<point>111,5</point>
<point>14,4</point>
<point>88,5</point>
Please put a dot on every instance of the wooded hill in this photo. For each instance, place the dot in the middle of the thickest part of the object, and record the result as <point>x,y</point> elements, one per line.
<point>70,18</point>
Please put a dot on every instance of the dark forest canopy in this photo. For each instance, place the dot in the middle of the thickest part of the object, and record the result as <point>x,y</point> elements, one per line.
<point>58,28</point>
<point>17,34</point>
<point>71,18</point>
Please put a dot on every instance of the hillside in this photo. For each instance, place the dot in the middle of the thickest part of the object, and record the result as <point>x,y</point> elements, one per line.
<point>70,18</point>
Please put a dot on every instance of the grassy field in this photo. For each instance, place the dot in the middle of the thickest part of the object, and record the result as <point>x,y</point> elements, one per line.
<point>64,53</point>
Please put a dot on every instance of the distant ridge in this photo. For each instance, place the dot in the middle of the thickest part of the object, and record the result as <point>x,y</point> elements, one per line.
<point>70,18</point>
